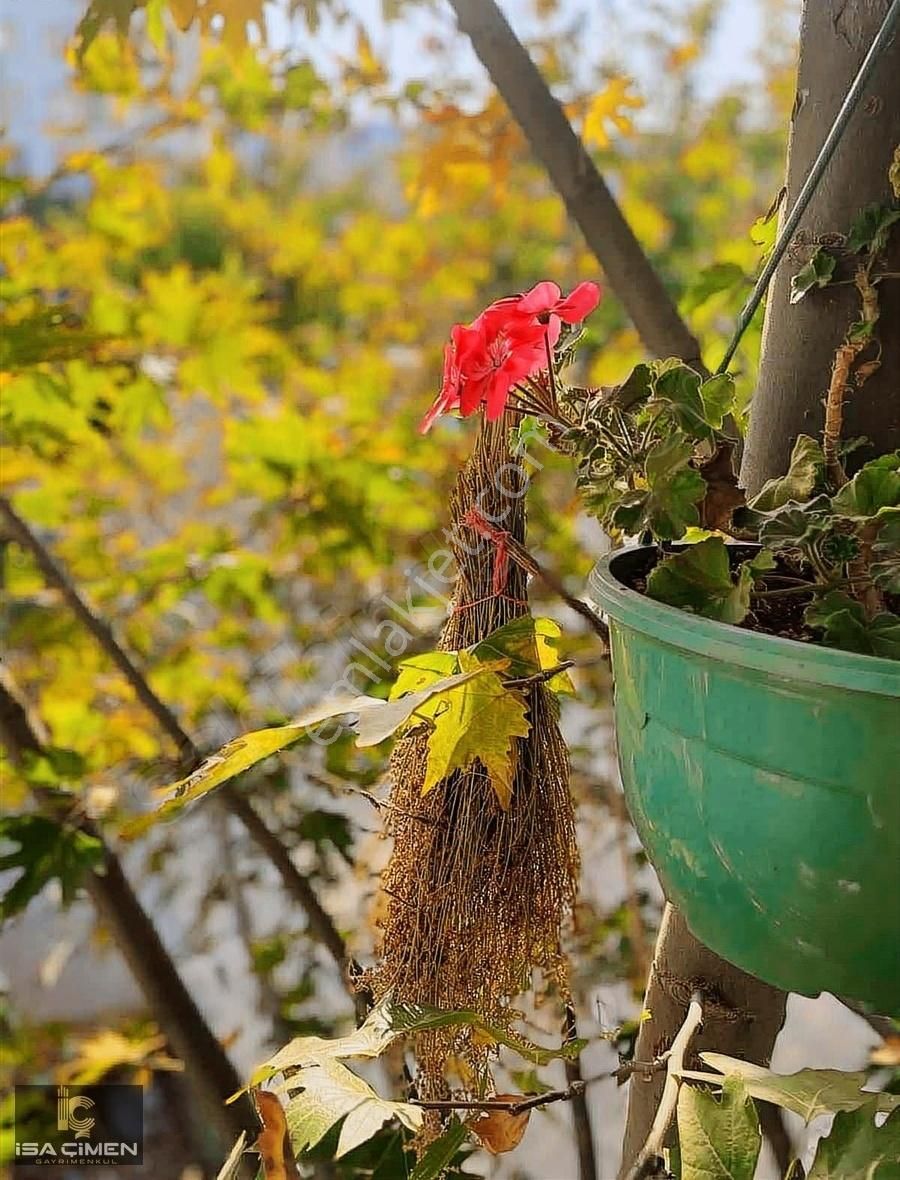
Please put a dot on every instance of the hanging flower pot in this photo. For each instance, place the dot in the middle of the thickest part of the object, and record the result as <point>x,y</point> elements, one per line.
<point>763,777</point>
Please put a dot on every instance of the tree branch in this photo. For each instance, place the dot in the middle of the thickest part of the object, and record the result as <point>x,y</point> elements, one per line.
<point>574,174</point>
<point>742,1017</point>
<point>581,1115</point>
<point>512,1108</point>
<point>653,1144</point>
<point>321,926</point>
<point>208,1067</point>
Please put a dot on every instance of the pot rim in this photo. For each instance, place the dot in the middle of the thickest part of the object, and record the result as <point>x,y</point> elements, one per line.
<point>788,659</point>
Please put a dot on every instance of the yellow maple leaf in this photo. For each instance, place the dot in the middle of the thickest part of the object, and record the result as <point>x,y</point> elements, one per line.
<point>108,1050</point>
<point>682,55</point>
<point>480,723</point>
<point>610,107</point>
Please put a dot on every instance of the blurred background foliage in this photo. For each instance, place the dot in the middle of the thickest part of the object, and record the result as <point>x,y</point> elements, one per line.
<point>224,311</point>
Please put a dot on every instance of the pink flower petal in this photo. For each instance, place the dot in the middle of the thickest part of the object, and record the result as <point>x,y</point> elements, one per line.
<point>500,385</point>
<point>579,303</point>
<point>539,299</point>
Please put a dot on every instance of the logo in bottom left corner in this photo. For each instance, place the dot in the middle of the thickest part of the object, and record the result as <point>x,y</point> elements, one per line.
<point>86,1126</point>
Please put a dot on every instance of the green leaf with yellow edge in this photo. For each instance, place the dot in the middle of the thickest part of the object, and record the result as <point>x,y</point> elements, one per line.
<point>479,719</point>
<point>719,1137</point>
<point>874,490</point>
<point>845,625</point>
<point>530,645</point>
<point>376,721</point>
<point>699,579</point>
<point>885,568</point>
<point>871,228</point>
<point>717,395</point>
<point>679,387</point>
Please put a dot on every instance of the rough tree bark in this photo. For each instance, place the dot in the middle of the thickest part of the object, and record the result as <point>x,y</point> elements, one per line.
<point>742,1017</point>
<point>799,341</point>
<point>798,349</point>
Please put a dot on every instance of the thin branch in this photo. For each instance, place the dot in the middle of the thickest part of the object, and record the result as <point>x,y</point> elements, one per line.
<point>510,1107</point>
<point>575,177</point>
<point>668,1103</point>
<point>209,1069</point>
<point>321,926</point>
<point>540,677</point>
<point>581,1116</point>
<point>625,1070</point>
<point>55,576</point>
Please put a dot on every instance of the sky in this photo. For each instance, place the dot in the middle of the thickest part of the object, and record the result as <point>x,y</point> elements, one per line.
<point>33,74</point>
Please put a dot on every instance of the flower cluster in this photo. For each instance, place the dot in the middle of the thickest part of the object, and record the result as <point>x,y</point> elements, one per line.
<point>511,340</point>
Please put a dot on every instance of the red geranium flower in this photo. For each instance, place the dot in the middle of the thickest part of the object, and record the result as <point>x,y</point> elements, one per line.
<point>507,343</point>
<point>545,299</point>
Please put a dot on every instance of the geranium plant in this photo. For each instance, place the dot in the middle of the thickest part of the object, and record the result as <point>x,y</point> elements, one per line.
<point>655,459</point>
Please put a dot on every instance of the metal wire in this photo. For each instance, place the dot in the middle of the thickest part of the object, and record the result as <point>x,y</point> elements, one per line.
<point>838,127</point>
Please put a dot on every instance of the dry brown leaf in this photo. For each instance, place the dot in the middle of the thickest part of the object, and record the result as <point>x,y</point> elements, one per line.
<point>273,1144</point>
<point>500,1131</point>
<point>722,493</point>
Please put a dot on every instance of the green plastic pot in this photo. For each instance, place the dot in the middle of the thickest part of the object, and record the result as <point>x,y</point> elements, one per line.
<point>763,777</point>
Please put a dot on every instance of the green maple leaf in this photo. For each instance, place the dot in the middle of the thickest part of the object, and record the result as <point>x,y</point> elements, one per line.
<point>479,719</point>
<point>44,851</point>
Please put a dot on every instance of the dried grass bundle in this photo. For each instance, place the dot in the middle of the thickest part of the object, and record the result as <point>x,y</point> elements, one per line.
<point>478,895</point>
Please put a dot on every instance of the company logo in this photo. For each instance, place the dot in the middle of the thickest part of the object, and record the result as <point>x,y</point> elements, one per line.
<point>68,1118</point>
<point>90,1126</point>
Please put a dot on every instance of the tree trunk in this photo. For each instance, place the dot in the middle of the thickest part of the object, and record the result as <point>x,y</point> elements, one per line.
<point>799,341</point>
<point>798,348</point>
<point>212,1076</point>
<point>742,1016</point>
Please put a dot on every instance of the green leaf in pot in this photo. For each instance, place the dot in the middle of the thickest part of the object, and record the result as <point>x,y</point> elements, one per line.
<point>699,579</point>
<point>805,475</point>
<point>845,626</point>
<point>874,489</point>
